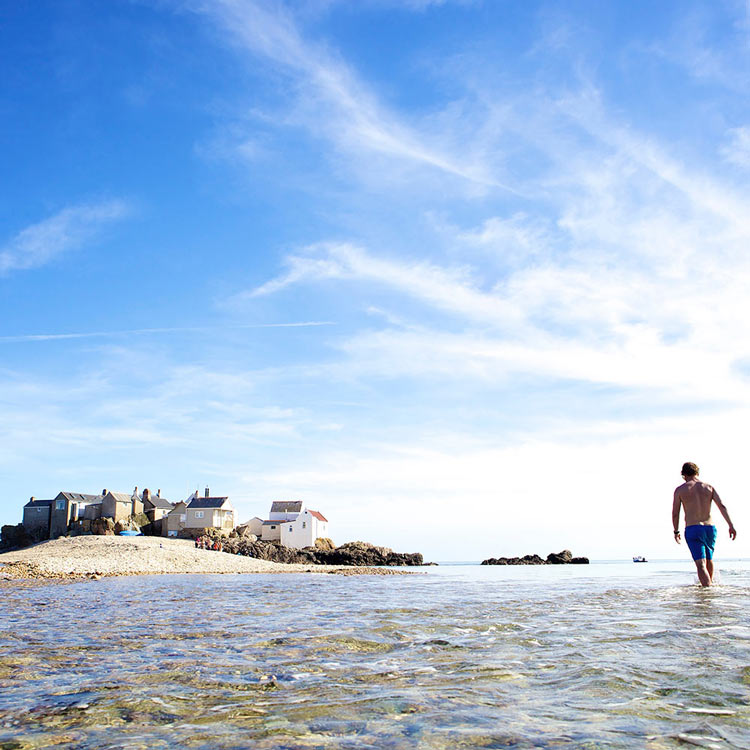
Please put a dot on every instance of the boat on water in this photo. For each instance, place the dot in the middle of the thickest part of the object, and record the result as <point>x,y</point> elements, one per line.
<point>639,558</point>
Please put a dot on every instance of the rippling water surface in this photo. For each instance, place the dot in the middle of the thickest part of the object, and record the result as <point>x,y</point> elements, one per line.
<point>604,656</point>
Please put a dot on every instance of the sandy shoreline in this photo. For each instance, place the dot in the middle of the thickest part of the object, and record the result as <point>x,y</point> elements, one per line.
<point>78,557</point>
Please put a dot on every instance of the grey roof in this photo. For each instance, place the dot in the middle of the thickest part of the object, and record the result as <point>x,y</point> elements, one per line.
<point>207,502</point>
<point>79,497</point>
<point>121,497</point>
<point>159,502</point>
<point>286,506</point>
<point>38,503</point>
<point>278,522</point>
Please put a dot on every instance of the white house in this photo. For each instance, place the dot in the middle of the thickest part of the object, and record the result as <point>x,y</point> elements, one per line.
<point>304,530</point>
<point>291,524</point>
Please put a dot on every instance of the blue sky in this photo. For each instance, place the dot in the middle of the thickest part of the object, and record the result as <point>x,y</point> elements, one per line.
<point>468,277</point>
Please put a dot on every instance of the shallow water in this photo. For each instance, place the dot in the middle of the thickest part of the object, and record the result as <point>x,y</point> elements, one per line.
<point>602,656</point>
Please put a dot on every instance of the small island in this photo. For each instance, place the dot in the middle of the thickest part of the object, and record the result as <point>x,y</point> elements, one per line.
<point>554,558</point>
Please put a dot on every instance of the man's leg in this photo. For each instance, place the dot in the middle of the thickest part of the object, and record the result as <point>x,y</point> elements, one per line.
<point>710,569</point>
<point>703,575</point>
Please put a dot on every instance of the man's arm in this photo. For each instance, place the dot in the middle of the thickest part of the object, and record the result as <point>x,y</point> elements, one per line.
<point>724,512</point>
<point>676,505</point>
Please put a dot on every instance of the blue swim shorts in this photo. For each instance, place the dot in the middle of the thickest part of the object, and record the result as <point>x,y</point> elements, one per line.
<point>701,540</point>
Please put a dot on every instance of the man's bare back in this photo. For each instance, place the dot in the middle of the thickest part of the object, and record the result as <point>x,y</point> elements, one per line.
<point>695,498</point>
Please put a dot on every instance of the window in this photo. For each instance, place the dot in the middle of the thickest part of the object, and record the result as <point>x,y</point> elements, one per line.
<point>60,505</point>
<point>199,514</point>
<point>304,524</point>
<point>183,517</point>
<point>290,529</point>
<point>273,527</point>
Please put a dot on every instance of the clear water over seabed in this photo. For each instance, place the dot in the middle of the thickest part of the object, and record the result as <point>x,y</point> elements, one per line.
<point>610,655</point>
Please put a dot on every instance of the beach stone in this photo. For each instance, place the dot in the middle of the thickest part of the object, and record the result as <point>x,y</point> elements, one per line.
<point>324,543</point>
<point>579,561</point>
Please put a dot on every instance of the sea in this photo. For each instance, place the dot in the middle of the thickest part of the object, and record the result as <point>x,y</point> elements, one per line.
<point>609,655</point>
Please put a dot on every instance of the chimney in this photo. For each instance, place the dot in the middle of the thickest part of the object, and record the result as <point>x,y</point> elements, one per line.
<point>208,494</point>
<point>135,491</point>
<point>31,499</point>
<point>158,493</point>
<point>146,494</point>
<point>104,491</point>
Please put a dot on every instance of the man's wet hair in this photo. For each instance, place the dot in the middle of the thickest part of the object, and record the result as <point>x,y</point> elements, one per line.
<point>690,469</point>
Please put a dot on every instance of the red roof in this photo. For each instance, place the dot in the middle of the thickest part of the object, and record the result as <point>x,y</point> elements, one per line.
<point>317,515</point>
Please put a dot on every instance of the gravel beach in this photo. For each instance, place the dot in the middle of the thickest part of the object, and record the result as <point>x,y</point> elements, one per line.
<point>98,556</point>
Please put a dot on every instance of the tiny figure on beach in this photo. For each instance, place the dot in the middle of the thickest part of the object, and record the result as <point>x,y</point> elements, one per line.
<point>695,498</point>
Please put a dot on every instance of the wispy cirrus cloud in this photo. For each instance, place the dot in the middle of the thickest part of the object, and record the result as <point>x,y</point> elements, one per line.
<point>31,337</point>
<point>331,100</point>
<point>67,230</point>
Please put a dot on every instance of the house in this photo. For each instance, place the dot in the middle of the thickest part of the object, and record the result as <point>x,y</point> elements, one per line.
<point>36,517</point>
<point>209,512</point>
<point>175,520</point>
<point>119,506</point>
<point>291,524</point>
<point>304,530</point>
<point>66,508</point>
<point>155,506</point>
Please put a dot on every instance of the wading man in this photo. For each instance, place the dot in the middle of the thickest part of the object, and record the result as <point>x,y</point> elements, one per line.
<point>695,498</point>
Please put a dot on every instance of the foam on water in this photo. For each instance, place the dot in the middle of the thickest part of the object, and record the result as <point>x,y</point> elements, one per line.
<point>460,657</point>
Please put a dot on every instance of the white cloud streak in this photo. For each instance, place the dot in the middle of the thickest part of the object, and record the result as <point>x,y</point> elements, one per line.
<point>67,230</point>
<point>23,338</point>
<point>332,100</point>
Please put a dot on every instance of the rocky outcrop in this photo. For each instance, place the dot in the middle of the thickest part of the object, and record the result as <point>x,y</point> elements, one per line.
<point>352,553</point>
<point>554,558</point>
<point>14,537</point>
<point>103,527</point>
<point>324,544</point>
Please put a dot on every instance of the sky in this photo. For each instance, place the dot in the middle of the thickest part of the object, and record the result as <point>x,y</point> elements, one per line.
<point>470,277</point>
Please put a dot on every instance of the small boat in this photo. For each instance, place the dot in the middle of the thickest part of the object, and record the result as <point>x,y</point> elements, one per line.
<point>639,558</point>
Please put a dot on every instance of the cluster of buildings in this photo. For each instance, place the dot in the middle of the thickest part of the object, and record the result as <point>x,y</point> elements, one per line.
<point>289,522</point>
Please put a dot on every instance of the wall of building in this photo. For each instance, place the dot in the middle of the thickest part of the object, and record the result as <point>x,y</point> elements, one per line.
<point>175,521</point>
<point>303,531</point>
<point>36,521</point>
<point>59,517</point>
<point>271,533</point>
